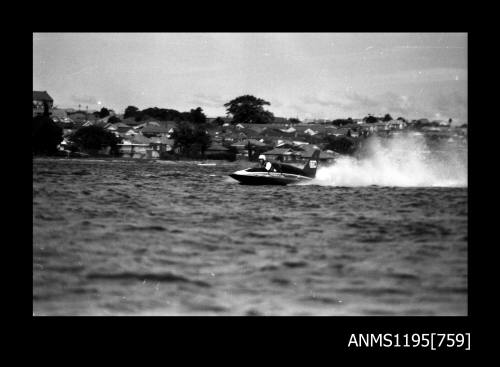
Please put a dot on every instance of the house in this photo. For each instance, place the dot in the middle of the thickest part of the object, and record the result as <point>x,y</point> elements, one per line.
<point>285,144</point>
<point>137,146</point>
<point>248,133</point>
<point>216,149</point>
<point>248,147</point>
<point>59,114</point>
<point>161,144</point>
<point>310,132</point>
<point>343,131</point>
<point>366,128</point>
<point>40,98</point>
<point>78,117</point>
<point>130,121</point>
<point>396,124</point>
<point>122,128</point>
<point>381,126</point>
<point>111,127</point>
<point>289,130</point>
<point>323,156</point>
<point>151,130</point>
<point>169,125</point>
<point>244,144</point>
<point>282,154</point>
<point>273,132</point>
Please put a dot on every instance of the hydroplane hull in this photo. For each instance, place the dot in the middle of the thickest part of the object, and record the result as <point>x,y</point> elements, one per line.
<point>247,177</point>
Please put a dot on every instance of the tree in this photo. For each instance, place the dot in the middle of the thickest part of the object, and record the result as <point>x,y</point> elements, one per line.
<point>249,109</point>
<point>190,139</point>
<point>387,117</point>
<point>342,122</point>
<point>197,116</point>
<point>218,122</point>
<point>163,114</point>
<point>341,144</point>
<point>370,119</point>
<point>46,135</point>
<point>103,112</point>
<point>294,120</point>
<point>92,138</point>
<point>130,111</point>
<point>113,120</point>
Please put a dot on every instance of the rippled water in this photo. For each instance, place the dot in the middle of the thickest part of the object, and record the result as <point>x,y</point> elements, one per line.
<point>176,238</point>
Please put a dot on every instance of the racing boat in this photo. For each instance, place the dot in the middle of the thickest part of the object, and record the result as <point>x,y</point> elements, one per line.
<point>278,173</point>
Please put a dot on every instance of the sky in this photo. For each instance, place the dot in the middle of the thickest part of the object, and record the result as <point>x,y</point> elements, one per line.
<point>304,75</point>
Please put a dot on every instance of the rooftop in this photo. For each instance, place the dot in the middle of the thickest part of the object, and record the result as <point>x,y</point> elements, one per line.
<point>42,96</point>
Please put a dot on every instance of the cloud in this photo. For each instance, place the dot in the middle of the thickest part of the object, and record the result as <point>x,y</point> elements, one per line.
<point>429,75</point>
<point>452,105</point>
<point>431,105</point>
<point>450,102</point>
<point>350,101</point>
<point>85,99</point>
<point>205,100</point>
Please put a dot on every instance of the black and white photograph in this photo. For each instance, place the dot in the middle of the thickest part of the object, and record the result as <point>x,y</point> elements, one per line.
<point>250,174</point>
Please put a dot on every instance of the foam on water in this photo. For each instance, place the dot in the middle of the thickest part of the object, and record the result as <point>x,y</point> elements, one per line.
<point>406,161</point>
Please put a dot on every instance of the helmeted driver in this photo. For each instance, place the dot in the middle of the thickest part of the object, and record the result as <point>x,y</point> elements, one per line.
<point>265,164</point>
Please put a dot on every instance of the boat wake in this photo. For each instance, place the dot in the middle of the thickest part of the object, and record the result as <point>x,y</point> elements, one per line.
<point>406,161</point>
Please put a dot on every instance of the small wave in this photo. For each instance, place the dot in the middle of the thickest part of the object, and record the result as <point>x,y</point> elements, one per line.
<point>322,299</point>
<point>254,312</point>
<point>280,281</point>
<point>449,290</point>
<point>378,312</point>
<point>404,276</point>
<point>295,264</point>
<point>173,174</point>
<point>268,268</point>
<point>143,228</point>
<point>65,268</point>
<point>82,172</point>
<point>205,306</point>
<point>45,172</point>
<point>49,217</point>
<point>253,234</point>
<point>154,277</point>
<point>376,292</point>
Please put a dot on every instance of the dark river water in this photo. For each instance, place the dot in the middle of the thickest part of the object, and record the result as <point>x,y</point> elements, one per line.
<point>177,238</point>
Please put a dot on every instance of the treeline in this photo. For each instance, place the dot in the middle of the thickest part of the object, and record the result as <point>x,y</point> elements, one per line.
<point>195,116</point>
<point>190,135</point>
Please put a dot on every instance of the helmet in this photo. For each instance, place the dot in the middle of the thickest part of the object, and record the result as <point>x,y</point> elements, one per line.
<point>262,156</point>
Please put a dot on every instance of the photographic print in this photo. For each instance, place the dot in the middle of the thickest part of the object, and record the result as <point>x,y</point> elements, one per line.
<point>250,174</point>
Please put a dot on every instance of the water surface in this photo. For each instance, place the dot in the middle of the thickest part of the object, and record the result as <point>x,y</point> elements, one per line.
<point>175,238</point>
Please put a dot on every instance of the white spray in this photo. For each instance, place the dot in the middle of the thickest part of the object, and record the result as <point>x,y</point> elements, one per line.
<point>404,160</point>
